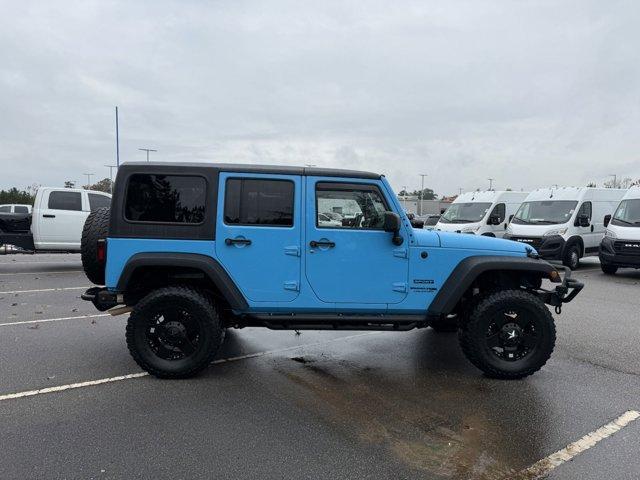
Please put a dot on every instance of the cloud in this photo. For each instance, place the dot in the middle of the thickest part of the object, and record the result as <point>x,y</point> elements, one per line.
<point>530,94</point>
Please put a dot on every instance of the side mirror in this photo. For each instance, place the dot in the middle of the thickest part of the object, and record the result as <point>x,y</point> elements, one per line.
<point>494,220</point>
<point>392,225</point>
<point>510,217</point>
<point>607,219</point>
<point>583,220</point>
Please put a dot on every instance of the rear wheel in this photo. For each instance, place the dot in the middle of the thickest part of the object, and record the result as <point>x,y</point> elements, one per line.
<point>509,334</point>
<point>96,227</point>
<point>608,269</point>
<point>174,332</point>
<point>571,257</point>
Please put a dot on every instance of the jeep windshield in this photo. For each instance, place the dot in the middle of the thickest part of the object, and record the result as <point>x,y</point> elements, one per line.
<point>465,212</point>
<point>627,214</point>
<point>545,212</point>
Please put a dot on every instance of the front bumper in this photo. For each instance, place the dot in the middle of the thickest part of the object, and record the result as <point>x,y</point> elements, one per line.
<point>549,248</point>
<point>563,293</point>
<point>619,252</point>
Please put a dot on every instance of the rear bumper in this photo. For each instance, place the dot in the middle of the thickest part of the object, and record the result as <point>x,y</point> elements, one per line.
<point>102,298</point>
<point>610,256</point>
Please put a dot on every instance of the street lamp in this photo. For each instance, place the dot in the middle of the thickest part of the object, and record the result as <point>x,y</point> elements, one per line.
<point>147,150</point>
<point>111,167</point>
<point>422,175</point>
<point>490,182</point>
<point>89,175</point>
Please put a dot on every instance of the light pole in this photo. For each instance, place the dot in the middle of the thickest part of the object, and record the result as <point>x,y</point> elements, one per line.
<point>111,167</point>
<point>614,180</point>
<point>490,182</point>
<point>422,175</point>
<point>404,197</point>
<point>88,180</point>
<point>147,150</point>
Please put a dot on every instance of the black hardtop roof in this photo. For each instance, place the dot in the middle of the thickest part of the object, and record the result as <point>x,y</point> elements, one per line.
<point>248,168</point>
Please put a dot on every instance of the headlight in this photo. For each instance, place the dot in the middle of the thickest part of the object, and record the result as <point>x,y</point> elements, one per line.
<point>470,229</point>
<point>610,233</point>
<point>556,231</point>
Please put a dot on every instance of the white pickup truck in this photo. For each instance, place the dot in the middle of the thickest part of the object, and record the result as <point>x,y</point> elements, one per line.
<point>56,222</point>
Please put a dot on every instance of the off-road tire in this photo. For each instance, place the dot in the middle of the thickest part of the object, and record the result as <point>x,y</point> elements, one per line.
<point>203,310</point>
<point>608,269</point>
<point>571,257</point>
<point>96,227</point>
<point>472,334</point>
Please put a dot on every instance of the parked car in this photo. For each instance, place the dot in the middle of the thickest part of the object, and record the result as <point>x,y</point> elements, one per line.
<point>193,249</point>
<point>416,222</point>
<point>15,208</point>
<point>565,223</point>
<point>55,223</point>
<point>481,213</point>
<point>325,220</point>
<point>431,221</point>
<point>620,246</point>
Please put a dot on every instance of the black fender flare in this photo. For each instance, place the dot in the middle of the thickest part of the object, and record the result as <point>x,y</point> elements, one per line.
<point>208,265</point>
<point>466,272</point>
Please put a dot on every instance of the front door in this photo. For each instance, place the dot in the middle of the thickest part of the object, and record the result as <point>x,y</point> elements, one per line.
<point>349,257</point>
<point>258,234</point>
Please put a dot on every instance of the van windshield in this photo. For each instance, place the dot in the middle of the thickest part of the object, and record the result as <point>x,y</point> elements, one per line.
<point>627,214</point>
<point>546,212</point>
<point>465,212</point>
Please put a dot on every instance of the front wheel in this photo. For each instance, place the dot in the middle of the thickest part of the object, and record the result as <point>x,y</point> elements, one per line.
<point>174,332</point>
<point>571,257</point>
<point>509,334</point>
<point>608,269</point>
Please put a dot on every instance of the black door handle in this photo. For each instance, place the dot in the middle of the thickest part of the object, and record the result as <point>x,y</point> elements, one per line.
<point>315,244</point>
<point>47,215</point>
<point>237,241</point>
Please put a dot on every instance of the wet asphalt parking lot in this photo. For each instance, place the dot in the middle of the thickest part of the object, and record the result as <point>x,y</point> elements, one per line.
<point>315,405</point>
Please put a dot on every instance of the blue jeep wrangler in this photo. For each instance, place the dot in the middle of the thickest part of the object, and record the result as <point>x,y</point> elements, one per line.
<point>193,249</point>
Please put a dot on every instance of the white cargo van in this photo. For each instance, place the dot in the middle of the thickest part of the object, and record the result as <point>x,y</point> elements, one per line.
<point>620,246</point>
<point>481,213</point>
<point>564,223</point>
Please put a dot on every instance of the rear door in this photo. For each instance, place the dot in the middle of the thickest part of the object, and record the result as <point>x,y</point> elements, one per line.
<point>258,234</point>
<point>61,218</point>
<point>356,261</point>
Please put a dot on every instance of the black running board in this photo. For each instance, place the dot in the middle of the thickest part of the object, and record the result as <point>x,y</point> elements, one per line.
<point>336,322</point>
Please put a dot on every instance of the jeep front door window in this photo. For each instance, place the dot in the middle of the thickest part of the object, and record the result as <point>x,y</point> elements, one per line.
<point>360,206</point>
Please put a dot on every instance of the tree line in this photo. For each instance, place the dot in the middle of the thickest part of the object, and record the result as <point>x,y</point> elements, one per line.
<point>26,195</point>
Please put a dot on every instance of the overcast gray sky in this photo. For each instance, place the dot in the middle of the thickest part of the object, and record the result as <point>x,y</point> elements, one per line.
<point>530,93</point>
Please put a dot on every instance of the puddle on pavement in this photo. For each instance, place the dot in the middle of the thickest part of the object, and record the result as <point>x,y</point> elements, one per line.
<point>414,420</point>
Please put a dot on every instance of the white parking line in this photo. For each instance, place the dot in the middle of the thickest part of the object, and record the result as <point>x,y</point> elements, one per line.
<point>543,467</point>
<point>44,290</point>
<point>46,320</point>
<point>91,383</point>
<point>42,273</point>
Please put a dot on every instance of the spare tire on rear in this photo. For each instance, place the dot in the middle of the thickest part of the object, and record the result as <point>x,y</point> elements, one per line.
<point>95,228</point>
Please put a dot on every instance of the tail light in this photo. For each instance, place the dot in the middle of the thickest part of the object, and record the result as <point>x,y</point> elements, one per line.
<point>101,252</point>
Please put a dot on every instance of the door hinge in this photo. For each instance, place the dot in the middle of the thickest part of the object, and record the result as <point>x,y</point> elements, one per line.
<point>400,287</point>
<point>292,285</point>
<point>400,253</point>
<point>293,250</point>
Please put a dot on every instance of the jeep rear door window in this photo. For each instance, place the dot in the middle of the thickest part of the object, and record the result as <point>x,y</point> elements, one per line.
<point>65,201</point>
<point>545,212</point>
<point>349,206</point>
<point>250,201</point>
<point>165,198</point>
<point>98,201</point>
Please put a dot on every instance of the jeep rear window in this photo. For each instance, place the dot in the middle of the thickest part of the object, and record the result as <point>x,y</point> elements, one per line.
<point>250,201</point>
<point>165,198</point>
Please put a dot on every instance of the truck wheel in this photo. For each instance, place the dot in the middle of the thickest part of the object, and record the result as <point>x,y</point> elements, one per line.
<point>174,332</point>
<point>96,227</point>
<point>571,257</point>
<point>509,334</point>
<point>608,269</point>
